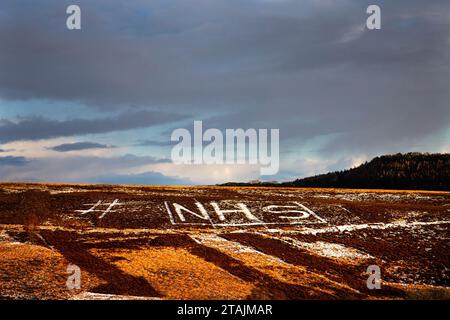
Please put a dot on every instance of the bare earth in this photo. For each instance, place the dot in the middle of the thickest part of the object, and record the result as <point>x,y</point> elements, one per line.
<point>222,242</point>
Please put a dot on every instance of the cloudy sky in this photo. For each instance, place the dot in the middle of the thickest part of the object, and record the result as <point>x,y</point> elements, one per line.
<point>98,105</point>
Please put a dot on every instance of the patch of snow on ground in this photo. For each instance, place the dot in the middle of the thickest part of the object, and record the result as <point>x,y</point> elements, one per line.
<point>104,296</point>
<point>329,250</point>
<point>225,245</point>
<point>220,242</point>
<point>9,240</point>
<point>379,226</point>
<point>4,236</point>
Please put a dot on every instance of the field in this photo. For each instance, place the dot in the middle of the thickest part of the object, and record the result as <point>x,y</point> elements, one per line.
<point>134,242</point>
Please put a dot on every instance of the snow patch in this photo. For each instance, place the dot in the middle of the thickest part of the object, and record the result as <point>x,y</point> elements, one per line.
<point>329,250</point>
<point>104,296</point>
<point>375,226</point>
<point>225,245</point>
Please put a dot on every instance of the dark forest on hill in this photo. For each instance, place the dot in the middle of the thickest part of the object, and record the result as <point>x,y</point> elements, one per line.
<point>410,171</point>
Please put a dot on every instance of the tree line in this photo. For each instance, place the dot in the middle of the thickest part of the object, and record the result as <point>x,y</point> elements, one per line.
<point>410,171</point>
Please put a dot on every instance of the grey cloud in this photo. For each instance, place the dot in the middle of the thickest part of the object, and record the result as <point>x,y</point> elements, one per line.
<point>200,54</point>
<point>13,161</point>
<point>38,127</point>
<point>300,66</point>
<point>65,147</point>
<point>153,143</point>
<point>75,169</point>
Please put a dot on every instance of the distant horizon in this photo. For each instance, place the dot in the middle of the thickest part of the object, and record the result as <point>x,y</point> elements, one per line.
<point>207,185</point>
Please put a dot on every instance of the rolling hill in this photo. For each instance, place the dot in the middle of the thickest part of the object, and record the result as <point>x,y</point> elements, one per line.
<point>410,171</point>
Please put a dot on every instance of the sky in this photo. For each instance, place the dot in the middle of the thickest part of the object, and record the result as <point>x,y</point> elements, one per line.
<point>98,105</point>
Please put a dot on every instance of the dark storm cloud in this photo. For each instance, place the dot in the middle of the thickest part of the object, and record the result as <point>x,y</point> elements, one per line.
<point>306,67</point>
<point>13,161</point>
<point>154,143</point>
<point>35,128</point>
<point>65,147</point>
